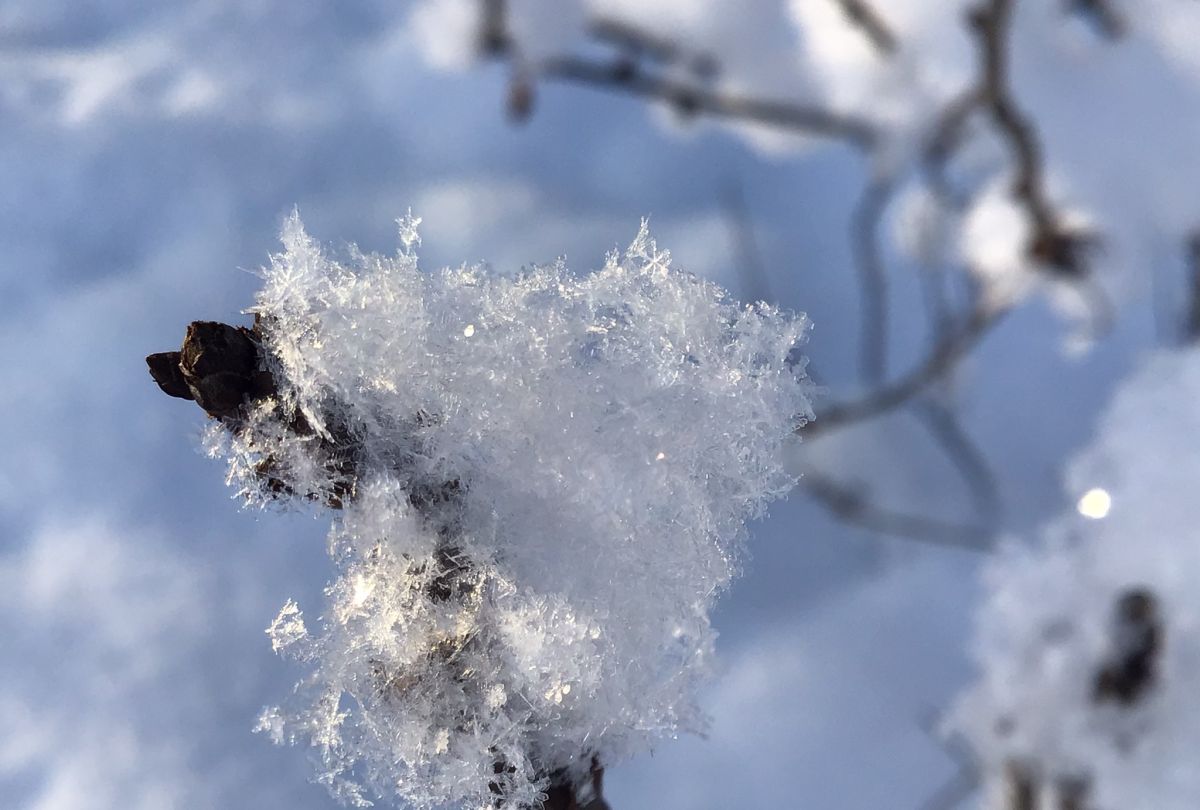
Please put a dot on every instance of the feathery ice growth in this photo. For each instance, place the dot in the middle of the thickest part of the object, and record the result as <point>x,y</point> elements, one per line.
<point>542,482</point>
<point>1088,641</point>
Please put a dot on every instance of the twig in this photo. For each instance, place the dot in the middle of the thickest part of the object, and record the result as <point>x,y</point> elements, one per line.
<point>637,43</point>
<point>1191,317</point>
<point>944,427</point>
<point>946,137</point>
<point>226,370</point>
<point>861,14</point>
<point>946,353</point>
<point>1052,244</point>
<point>848,503</point>
<point>695,99</point>
<point>872,278</point>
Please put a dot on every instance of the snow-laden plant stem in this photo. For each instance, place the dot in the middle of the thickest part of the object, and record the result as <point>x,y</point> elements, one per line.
<point>541,482</point>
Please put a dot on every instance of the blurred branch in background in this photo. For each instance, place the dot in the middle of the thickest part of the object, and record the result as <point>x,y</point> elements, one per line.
<point>872,277</point>
<point>1191,317</point>
<point>850,503</point>
<point>863,16</point>
<point>651,66</point>
<point>1101,14</point>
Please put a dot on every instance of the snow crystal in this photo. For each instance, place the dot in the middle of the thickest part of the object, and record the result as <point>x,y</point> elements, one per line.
<point>544,481</point>
<point>1087,640</point>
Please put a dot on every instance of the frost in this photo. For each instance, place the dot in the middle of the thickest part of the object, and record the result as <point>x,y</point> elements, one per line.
<point>1087,640</point>
<point>288,627</point>
<point>543,484</point>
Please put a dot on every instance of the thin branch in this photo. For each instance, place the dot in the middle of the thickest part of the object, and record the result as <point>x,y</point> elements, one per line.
<point>863,16</point>
<point>1051,243</point>
<point>944,356</point>
<point>947,136</point>
<point>692,98</point>
<point>872,278</point>
<point>943,425</point>
<point>1191,317</point>
<point>848,503</point>
<point>628,73</point>
<point>638,43</point>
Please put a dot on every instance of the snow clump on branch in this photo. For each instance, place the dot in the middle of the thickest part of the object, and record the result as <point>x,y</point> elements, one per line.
<point>1086,641</point>
<point>543,483</point>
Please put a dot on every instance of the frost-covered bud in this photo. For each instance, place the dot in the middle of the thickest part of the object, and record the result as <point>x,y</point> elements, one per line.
<point>544,481</point>
<point>1090,640</point>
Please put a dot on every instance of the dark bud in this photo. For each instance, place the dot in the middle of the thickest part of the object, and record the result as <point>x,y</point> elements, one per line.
<point>164,368</point>
<point>1137,638</point>
<point>220,364</point>
<point>1063,252</point>
<point>521,96</point>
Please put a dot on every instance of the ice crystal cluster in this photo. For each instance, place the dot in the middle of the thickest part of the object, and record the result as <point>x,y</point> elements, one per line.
<point>543,482</point>
<point>1088,642</point>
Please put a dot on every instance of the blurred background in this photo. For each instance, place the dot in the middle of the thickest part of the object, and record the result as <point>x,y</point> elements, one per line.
<point>832,158</point>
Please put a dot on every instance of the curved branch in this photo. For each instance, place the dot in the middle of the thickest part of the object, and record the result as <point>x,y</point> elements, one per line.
<point>694,99</point>
<point>848,503</point>
<point>970,462</point>
<point>872,278</point>
<point>944,356</point>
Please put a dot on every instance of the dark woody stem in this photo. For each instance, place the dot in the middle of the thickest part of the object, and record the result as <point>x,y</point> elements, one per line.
<point>226,371</point>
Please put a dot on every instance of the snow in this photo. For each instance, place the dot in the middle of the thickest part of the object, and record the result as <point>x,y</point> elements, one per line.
<point>551,479</point>
<point>1059,613</point>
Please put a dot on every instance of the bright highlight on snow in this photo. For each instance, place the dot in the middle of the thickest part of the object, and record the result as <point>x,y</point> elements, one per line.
<point>519,593</point>
<point>1095,503</point>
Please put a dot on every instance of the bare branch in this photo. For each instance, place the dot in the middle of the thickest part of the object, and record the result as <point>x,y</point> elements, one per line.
<point>944,427</point>
<point>944,141</point>
<point>944,356</point>
<point>872,278</point>
<point>1051,243</point>
<point>1191,317</point>
<point>861,14</point>
<point>849,503</point>
<point>695,99</point>
<point>638,43</point>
